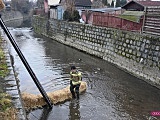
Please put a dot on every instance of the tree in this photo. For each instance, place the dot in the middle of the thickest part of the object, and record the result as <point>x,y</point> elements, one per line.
<point>67,15</point>
<point>14,4</point>
<point>69,6</point>
<point>123,2</point>
<point>70,14</point>
<point>105,2</point>
<point>112,4</point>
<point>40,4</point>
<point>21,5</point>
<point>97,4</point>
<point>76,16</point>
<point>87,14</point>
<point>118,3</point>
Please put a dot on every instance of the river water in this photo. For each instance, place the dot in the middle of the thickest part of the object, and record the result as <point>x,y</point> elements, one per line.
<point>111,94</point>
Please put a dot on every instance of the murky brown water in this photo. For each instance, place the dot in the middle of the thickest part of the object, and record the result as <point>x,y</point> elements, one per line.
<point>112,94</point>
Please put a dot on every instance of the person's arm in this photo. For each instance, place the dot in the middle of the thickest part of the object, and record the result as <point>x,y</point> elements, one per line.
<point>71,78</point>
<point>80,76</point>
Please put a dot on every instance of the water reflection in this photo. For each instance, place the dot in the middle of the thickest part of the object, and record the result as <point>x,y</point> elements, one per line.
<point>45,113</point>
<point>74,113</point>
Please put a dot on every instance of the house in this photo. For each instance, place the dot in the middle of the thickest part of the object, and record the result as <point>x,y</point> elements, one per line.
<point>83,4</point>
<point>113,18</point>
<point>151,19</point>
<point>94,16</point>
<point>80,4</point>
<point>53,9</point>
<point>57,7</point>
<point>139,5</point>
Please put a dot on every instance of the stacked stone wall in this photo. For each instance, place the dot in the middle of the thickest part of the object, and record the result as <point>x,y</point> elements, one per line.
<point>136,53</point>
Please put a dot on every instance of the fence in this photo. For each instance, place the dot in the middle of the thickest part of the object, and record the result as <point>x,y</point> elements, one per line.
<point>152,20</point>
<point>113,21</point>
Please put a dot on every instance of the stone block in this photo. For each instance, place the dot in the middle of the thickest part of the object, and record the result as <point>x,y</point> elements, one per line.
<point>124,44</point>
<point>130,51</point>
<point>138,43</point>
<point>108,35</point>
<point>157,48</point>
<point>127,55</point>
<point>123,53</point>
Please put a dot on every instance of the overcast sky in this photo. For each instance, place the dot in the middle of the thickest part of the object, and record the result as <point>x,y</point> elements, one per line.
<point>111,0</point>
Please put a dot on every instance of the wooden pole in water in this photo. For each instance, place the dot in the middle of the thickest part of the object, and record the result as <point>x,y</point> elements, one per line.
<point>39,86</point>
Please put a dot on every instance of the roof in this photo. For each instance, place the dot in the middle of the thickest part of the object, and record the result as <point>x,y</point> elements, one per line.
<point>149,3</point>
<point>80,2</point>
<point>83,2</point>
<point>133,16</point>
<point>135,13</point>
<point>143,3</point>
<point>105,9</point>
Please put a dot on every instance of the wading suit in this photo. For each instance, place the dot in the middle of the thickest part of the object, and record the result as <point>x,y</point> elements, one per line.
<point>75,81</point>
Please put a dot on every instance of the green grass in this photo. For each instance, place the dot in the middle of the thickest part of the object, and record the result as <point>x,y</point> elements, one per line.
<point>7,111</point>
<point>3,65</point>
<point>130,17</point>
<point>4,98</point>
<point>5,102</point>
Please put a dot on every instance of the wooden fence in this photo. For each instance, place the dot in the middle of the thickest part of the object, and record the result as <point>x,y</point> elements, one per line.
<point>152,20</point>
<point>113,21</point>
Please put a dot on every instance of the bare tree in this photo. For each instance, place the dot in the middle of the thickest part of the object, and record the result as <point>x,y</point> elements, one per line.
<point>87,14</point>
<point>40,4</point>
<point>14,4</point>
<point>70,14</point>
<point>21,5</point>
<point>69,5</point>
<point>97,4</point>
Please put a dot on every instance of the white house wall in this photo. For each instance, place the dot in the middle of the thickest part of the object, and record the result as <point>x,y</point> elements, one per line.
<point>53,13</point>
<point>53,2</point>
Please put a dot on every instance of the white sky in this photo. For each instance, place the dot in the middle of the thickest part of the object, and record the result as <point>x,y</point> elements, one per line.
<point>10,0</point>
<point>91,0</point>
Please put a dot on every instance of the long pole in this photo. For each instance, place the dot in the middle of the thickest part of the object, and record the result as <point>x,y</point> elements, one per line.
<point>39,86</point>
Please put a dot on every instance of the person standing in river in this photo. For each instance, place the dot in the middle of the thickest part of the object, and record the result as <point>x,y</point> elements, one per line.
<point>75,81</point>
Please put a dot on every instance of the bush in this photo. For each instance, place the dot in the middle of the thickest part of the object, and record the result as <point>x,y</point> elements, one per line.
<point>68,16</point>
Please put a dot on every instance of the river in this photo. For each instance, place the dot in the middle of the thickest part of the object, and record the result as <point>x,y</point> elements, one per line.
<point>111,94</point>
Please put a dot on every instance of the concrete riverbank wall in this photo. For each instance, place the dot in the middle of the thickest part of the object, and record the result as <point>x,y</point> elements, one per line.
<point>11,83</point>
<point>135,53</point>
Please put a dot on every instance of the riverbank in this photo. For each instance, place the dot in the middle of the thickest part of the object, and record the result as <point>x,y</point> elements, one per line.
<point>10,104</point>
<point>7,110</point>
<point>138,54</point>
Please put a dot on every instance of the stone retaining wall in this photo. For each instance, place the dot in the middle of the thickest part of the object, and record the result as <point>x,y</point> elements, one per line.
<point>136,53</point>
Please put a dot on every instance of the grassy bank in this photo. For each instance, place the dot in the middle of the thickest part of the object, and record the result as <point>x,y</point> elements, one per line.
<point>7,111</point>
<point>3,65</point>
